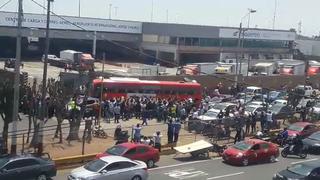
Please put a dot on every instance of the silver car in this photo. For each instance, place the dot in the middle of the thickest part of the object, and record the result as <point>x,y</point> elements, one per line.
<point>111,167</point>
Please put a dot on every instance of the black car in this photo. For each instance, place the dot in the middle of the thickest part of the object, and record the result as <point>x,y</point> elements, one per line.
<point>26,167</point>
<point>303,171</point>
<point>313,143</point>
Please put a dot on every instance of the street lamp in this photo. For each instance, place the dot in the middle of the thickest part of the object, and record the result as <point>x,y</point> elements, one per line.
<point>241,32</point>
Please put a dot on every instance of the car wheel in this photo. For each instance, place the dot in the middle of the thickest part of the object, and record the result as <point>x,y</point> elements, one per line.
<point>245,162</point>
<point>42,177</point>
<point>272,159</point>
<point>150,163</point>
<point>136,178</point>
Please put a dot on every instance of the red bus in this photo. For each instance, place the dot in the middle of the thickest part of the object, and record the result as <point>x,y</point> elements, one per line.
<point>133,87</point>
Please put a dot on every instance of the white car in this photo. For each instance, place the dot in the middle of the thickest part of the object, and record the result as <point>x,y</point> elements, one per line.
<point>210,115</point>
<point>280,101</point>
<point>111,167</point>
<point>316,108</point>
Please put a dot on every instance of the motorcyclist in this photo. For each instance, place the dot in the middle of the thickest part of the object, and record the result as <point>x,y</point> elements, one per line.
<point>283,136</point>
<point>297,144</point>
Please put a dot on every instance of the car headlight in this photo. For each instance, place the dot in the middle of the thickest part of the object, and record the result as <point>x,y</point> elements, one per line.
<point>239,155</point>
<point>317,144</point>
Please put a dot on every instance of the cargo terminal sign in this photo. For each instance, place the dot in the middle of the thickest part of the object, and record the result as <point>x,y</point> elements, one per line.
<point>258,34</point>
<point>10,19</point>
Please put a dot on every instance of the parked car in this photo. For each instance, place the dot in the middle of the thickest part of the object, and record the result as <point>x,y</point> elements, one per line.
<point>254,108</point>
<point>224,107</point>
<point>303,129</point>
<point>210,115</point>
<point>281,111</point>
<point>10,63</point>
<point>301,171</point>
<point>111,167</point>
<point>26,167</point>
<point>251,151</point>
<point>316,108</point>
<point>279,101</point>
<point>313,142</point>
<point>134,151</point>
<point>274,95</point>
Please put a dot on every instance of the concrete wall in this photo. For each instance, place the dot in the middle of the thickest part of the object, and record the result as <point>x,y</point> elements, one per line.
<point>309,47</point>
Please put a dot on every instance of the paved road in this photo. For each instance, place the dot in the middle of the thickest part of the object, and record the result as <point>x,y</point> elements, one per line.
<point>184,168</point>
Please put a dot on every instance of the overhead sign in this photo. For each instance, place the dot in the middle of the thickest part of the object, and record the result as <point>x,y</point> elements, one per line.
<point>10,19</point>
<point>258,34</point>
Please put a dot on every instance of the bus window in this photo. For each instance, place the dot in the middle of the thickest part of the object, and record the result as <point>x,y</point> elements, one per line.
<point>122,90</point>
<point>191,92</point>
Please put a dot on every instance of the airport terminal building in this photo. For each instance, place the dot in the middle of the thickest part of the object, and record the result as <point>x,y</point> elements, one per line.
<point>130,40</point>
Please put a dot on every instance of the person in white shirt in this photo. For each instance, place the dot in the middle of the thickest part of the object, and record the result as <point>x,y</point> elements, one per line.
<point>157,140</point>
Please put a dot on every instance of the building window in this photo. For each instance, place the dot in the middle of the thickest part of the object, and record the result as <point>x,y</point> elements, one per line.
<point>150,38</point>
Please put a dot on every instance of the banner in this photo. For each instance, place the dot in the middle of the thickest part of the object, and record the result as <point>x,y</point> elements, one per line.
<point>258,34</point>
<point>10,19</point>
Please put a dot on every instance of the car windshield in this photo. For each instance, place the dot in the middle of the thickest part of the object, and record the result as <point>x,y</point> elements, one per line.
<point>210,114</point>
<point>315,136</point>
<point>250,108</point>
<point>243,146</point>
<point>95,165</point>
<point>3,161</point>
<point>276,108</point>
<point>300,169</point>
<point>294,127</point>
<point>274,94</point>
<point>219,106</point>
<point>117,150</point>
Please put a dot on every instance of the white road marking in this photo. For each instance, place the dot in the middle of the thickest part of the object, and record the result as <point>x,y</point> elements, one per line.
<point>185,173</point>
<point>182,164</point>
<point>227,175</point>
<point>304,161</point>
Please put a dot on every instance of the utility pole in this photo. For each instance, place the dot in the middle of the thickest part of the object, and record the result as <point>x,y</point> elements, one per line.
<point>101,87</point>
<point>94,46</point>
<point>44,81</point>
<point>275,13</point>
<point>237,54</point>
<point>15,113</point>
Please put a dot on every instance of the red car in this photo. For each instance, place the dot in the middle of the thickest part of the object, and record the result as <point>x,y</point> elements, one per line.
<point>134,151</point>
<point>251,151</point>
<point>303,129</point>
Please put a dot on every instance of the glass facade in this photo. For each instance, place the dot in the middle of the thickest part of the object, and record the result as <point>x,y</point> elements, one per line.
<point>216,42</point>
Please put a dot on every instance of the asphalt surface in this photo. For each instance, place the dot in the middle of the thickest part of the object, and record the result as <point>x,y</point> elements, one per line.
<point>170,168</point>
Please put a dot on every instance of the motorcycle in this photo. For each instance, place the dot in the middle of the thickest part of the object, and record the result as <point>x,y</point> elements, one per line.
<point>290,150</point>
<point>98,132</point>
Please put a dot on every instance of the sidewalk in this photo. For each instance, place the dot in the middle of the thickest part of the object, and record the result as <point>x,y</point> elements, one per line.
<point>98,145</point>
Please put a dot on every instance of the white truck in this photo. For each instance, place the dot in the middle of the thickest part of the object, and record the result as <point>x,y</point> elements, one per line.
<point>197,69</point>
<point>74,60</point>
<point>292,67</point>
<point>266,69</point>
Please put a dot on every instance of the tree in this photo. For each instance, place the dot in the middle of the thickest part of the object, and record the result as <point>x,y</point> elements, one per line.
<point>6,104</point>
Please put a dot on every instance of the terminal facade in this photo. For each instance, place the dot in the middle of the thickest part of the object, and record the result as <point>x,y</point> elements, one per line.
<point>129,40</point>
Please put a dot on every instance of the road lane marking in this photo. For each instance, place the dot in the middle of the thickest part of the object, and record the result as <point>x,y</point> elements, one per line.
<point>227,175</point>
<point>304,161</point>
<point>182,164</point>
<point>185,173</point>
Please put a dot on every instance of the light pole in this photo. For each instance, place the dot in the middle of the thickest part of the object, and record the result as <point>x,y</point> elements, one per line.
<point>242,31</point>
<point>110,9</point>
<point>152,10</point>
<point>116,12</point>
<point>79,8</point>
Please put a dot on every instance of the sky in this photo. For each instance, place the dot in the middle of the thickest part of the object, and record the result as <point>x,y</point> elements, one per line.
<point>201,12</point>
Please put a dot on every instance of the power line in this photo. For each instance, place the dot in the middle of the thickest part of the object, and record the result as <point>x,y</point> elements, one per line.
<point>145,54</point>
<point>3,5</point>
